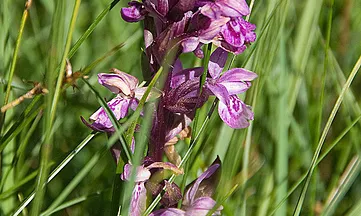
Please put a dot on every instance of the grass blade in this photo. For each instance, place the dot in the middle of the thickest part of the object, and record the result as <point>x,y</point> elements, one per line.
<point>14,60</point>
<point>324,154</point>
<point>344,184</point>
<point>324,134</point>
<point>47,145</point>
<point>56,171</point>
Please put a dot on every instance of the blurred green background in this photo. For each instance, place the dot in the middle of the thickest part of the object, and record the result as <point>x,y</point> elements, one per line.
<point>290,111</point>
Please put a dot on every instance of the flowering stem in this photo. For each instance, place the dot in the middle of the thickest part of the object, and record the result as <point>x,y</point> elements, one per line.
<point>185,158</point>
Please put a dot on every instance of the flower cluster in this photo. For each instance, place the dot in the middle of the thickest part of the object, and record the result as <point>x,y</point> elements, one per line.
<point>173,27</point>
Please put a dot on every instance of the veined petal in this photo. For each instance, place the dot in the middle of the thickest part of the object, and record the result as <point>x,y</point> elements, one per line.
<point>119,82</point>
<point>202,206</point>
<point>216,62</point>
<point>236,34</point>
<point>236,114</point>
<point>168,212</point>
<point>238,74</point>
<point>211,10</point>
<point>206,35</point>
<point>229,48</point>
<point>189,197</point>
<point>166,166</point>
<point>134,13</point>
<point>184,75</point>
<point>143,174</point>
<point>139,200</point>
<point>162,7</point>
<point>232,33</point>
<point>219,91</point>
<point>190,44</point>
<point>237,80</point>
<point>118,105</point>
<point>233,8</point>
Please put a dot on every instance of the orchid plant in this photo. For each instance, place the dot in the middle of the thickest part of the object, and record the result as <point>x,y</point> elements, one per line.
<point>173,27</point>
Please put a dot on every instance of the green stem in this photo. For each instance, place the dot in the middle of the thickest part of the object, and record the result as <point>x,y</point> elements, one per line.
<point>14,60</point>
<point>47,145</point>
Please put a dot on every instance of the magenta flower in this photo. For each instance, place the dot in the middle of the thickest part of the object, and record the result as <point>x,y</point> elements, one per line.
<point>235,35</point>
<point>197,200</point>
<point>138,201</point>
<point>227,28</point>
<point>128,95</point>
<point>226,87</point>
<point>134,13</point>
<point>227,8</point>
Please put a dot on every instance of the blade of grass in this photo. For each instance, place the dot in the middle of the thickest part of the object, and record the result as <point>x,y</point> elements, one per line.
<point>56,171</point>
<point>20,153</point>
<point>207,56</point>
<point>14,134</point>
<point>324,154</point>
<point>345,182</point>
<point>16,128</point>
<point>111,52</point>
<point>47,145</point>
<point>282,149</point>
<point>14,60</point>
<point>91,28</point>
<point>72,202</point>
<point>352,75</point>
<point>356,209</point>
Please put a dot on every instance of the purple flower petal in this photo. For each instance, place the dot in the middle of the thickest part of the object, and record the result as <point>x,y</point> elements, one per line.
<point>172,194</point>
<point>233,8</point>
<point>191,193</point>
<point>206,35</point>
<point>139,200</point>
<point>211,10</point>
<point>162,7</point>
<point>94,128</point>
<point>237,80</point>
<point>134,13</point>
<point>179,77</point>
<point>119,82</point>
<point>202,206</point>
<point>216,63</point>
<point>143,174</point>
<point>168,212</point>
<point>238,32</point>
<point>118,105</point>
<point>198,51</point>
<point>166,166</point>
<point>231,33</point>
<point>190,44</point>
<point>236,114</point>
<point>219,91</point>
